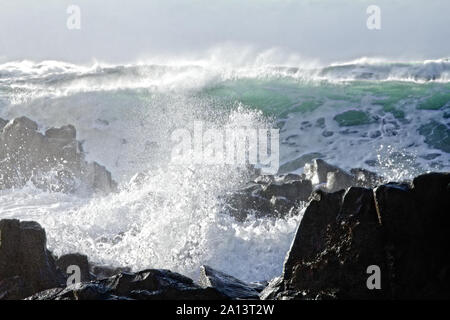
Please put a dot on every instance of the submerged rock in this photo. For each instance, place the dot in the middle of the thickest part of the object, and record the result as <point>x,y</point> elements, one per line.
<point>401,229</point>
<point>247,201</point>
<point>353,118</point>
<point>53,161</point>
<point>28,269</point>
<point>437,135</point>
<point>26,266</point>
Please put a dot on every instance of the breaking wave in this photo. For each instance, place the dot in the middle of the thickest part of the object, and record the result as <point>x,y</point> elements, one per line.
<point>393,116</point>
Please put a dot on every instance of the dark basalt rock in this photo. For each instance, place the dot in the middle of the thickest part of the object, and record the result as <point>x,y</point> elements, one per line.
<point>28,269</point>
<point>152,284</point>
<point>13,288</point>
<point>278,196</point>
<point>227,285</point>
<point>331,178</point>
<point>268,197</point>
<point>75,259</point>
<point>290,177</point>
<point>26,266</point>
<point>247,201</point>
<point>401,228</point>
<point>101,272</point>
<point>416,220</point>
<point>311,235</point>
<point>366,178</point>
<point>299,190</point>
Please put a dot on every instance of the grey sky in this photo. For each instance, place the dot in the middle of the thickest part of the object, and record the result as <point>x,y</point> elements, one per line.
<point>123,31</point>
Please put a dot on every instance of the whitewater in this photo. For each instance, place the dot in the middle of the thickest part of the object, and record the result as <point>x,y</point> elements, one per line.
<point>388,117</point>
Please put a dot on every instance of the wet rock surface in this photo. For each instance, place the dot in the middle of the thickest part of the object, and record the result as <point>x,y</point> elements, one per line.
<point>26,266</point>
<point>332,178</point>
<point>102,272</point>
<point>400,228</point>
<point>279,196</point>
<point>268,198</point>
<point>75,259</point>
<point>152,284</point>
<point>29,270</point>
<point>227,285</point>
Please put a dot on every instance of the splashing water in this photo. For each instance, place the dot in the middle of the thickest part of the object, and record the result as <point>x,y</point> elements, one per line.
<point>390,115</point>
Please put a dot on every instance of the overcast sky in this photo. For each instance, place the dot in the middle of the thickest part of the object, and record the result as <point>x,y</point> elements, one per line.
<point>125,31</point>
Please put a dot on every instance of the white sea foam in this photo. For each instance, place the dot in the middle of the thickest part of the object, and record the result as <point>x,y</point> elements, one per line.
<point>124,116</point>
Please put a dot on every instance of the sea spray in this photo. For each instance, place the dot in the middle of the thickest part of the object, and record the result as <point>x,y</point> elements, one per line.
<point>170,216</point>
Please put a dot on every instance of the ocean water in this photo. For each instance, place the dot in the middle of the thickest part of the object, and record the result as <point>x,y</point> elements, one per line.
<point>389,117</point>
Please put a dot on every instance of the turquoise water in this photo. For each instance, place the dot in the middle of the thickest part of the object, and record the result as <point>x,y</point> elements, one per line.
<point>280,97</point>
<point>411,118</point>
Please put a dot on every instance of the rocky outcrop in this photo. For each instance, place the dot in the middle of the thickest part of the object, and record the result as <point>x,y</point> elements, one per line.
<point>152,284</point>
<point>102,272</point>
<point>26,266</point>
<point>227,285</point>
<point>156,284</point>
<point>75,259</point>
<point>268,197</point>
<point>278,196</point>
<point>292,190</point>
<point>52,161</point>
<point>28,269</point>
<point>331,178</point>
<point>366,178</point>
<point>402,229</point>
